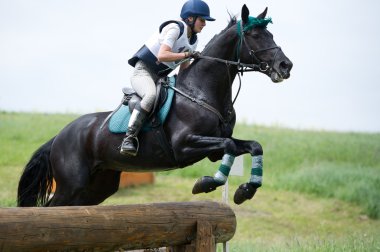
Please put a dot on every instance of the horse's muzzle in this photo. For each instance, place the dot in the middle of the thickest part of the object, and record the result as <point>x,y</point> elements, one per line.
<point>284,68</point>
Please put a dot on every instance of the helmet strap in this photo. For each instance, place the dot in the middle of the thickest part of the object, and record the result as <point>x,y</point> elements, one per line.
<point>191,24</point>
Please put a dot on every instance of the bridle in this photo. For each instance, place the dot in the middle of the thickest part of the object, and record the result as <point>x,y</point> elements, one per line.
<point>259,66</point>
<point>256,65</point>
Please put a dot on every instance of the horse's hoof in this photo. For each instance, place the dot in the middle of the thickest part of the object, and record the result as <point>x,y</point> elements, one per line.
<point>205,184</point>
<point>244,192</point>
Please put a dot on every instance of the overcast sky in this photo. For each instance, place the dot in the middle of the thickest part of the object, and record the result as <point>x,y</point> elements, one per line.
<point>71,56</point>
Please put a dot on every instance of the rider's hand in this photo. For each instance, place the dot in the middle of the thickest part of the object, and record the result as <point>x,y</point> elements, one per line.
<point>194,55</point>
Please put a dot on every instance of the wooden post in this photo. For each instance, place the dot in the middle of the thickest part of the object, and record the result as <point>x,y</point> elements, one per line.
<point>205,241</point>
<point>110,228</point>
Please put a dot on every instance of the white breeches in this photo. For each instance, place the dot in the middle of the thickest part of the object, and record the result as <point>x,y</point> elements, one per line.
<point>143,82</point>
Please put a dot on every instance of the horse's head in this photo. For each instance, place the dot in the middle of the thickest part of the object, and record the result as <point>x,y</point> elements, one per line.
<point>258,47</point>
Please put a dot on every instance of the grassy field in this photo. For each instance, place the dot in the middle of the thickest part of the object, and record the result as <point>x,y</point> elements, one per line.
<point>321,189</point>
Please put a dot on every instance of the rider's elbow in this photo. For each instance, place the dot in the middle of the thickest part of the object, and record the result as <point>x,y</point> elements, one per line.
<point>160,57</point>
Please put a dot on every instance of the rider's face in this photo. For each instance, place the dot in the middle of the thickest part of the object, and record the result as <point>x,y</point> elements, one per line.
<point>199,24</point>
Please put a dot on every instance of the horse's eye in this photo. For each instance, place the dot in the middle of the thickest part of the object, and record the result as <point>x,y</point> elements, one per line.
<point>255,36</point>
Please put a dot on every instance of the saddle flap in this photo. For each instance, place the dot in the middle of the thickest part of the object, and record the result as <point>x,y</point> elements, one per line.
<point>118,119</point>
<point>131,98</point>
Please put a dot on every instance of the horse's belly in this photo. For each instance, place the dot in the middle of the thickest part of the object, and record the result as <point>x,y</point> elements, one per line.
<point>154,154</point>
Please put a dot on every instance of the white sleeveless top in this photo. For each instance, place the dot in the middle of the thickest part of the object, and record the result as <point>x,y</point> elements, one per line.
<point>172,33</point>
<point>169,36</point>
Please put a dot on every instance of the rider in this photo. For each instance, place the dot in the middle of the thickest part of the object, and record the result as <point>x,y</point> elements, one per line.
<point>175,42</point>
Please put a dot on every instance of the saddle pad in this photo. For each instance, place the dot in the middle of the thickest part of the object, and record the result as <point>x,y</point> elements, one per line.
<point>118,123</point>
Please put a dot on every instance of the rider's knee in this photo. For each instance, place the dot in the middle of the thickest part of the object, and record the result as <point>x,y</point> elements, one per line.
<point>147,102</point>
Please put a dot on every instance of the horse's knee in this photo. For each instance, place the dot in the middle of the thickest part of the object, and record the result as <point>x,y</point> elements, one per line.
<point>257,149</point>
<point>230,146</point>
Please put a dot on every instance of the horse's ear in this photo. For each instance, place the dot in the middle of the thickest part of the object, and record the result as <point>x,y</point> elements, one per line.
<point>262,15</point>
<point>244,14</point>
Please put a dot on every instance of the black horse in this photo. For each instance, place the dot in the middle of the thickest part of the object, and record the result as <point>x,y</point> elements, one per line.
<point>84,158</point>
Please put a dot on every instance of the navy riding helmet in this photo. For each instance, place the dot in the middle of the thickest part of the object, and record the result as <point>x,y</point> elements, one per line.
<point>196,8</point>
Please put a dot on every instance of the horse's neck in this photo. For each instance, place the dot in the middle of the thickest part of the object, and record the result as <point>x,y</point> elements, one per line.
<point>210,80</point>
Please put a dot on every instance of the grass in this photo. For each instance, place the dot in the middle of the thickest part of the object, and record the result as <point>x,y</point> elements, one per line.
<point>321,189</point>
<point>22,133</point>
<point>359,185</point>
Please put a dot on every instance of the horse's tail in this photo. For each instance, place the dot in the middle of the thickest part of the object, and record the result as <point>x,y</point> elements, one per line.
<point>36,181</point>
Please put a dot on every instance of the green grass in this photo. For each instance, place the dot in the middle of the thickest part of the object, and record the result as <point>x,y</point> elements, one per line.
<point>22,133</point>
<point>321,189</point>
<point>359,185</point>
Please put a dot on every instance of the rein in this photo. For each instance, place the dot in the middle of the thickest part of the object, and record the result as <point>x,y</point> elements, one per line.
<point>199,102</point>
<point>241,66</point>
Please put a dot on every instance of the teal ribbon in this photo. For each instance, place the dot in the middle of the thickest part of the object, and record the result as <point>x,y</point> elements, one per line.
<point>252,23</point>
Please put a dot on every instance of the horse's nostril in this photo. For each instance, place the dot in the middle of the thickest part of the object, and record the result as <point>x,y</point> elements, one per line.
<point>286,65</point>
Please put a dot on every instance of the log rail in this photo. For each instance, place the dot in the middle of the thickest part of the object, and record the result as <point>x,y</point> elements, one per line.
<point>182,226</point>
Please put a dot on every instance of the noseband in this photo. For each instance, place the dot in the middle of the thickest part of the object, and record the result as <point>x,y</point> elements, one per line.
<point>262,65</point>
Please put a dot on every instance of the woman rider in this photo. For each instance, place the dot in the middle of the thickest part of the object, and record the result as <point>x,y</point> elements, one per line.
<point>175,41</point>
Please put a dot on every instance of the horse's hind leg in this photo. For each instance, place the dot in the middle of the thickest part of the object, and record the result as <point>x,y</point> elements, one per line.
<point>67,191</point>
<point>72,176</point>
<point>91,191</point>
<point>102,184</point>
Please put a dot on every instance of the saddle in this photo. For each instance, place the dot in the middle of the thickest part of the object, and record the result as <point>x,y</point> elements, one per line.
<point>119,118</point>
<point>131,98</point>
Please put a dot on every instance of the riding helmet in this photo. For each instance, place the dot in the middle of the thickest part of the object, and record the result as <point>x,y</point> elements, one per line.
<point>196,8</point>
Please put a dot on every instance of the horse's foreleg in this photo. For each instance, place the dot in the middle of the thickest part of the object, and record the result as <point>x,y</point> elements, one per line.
<point>231,148</point>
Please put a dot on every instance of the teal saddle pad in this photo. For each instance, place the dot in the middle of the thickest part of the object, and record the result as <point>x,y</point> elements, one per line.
<point>119,120</point>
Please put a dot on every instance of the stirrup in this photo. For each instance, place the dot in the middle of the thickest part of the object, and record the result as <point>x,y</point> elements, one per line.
<point>130,151</point>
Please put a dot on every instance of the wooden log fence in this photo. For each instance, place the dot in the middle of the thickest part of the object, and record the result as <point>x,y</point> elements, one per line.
<point>180,226</point>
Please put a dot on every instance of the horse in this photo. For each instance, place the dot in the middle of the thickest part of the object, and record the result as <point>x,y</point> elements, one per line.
<point>84,157</point>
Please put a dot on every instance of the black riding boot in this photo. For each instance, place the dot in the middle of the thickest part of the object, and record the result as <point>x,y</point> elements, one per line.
<point>130,143</point>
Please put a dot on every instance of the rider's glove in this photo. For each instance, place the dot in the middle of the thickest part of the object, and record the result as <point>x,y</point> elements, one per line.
<point>194,55</point>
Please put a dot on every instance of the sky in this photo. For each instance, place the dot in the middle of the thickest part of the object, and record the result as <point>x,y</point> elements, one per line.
<point>71,56</point>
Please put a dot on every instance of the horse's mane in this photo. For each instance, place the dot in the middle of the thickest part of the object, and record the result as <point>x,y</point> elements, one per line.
<point>252,22</point>
<point>232,22</point>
